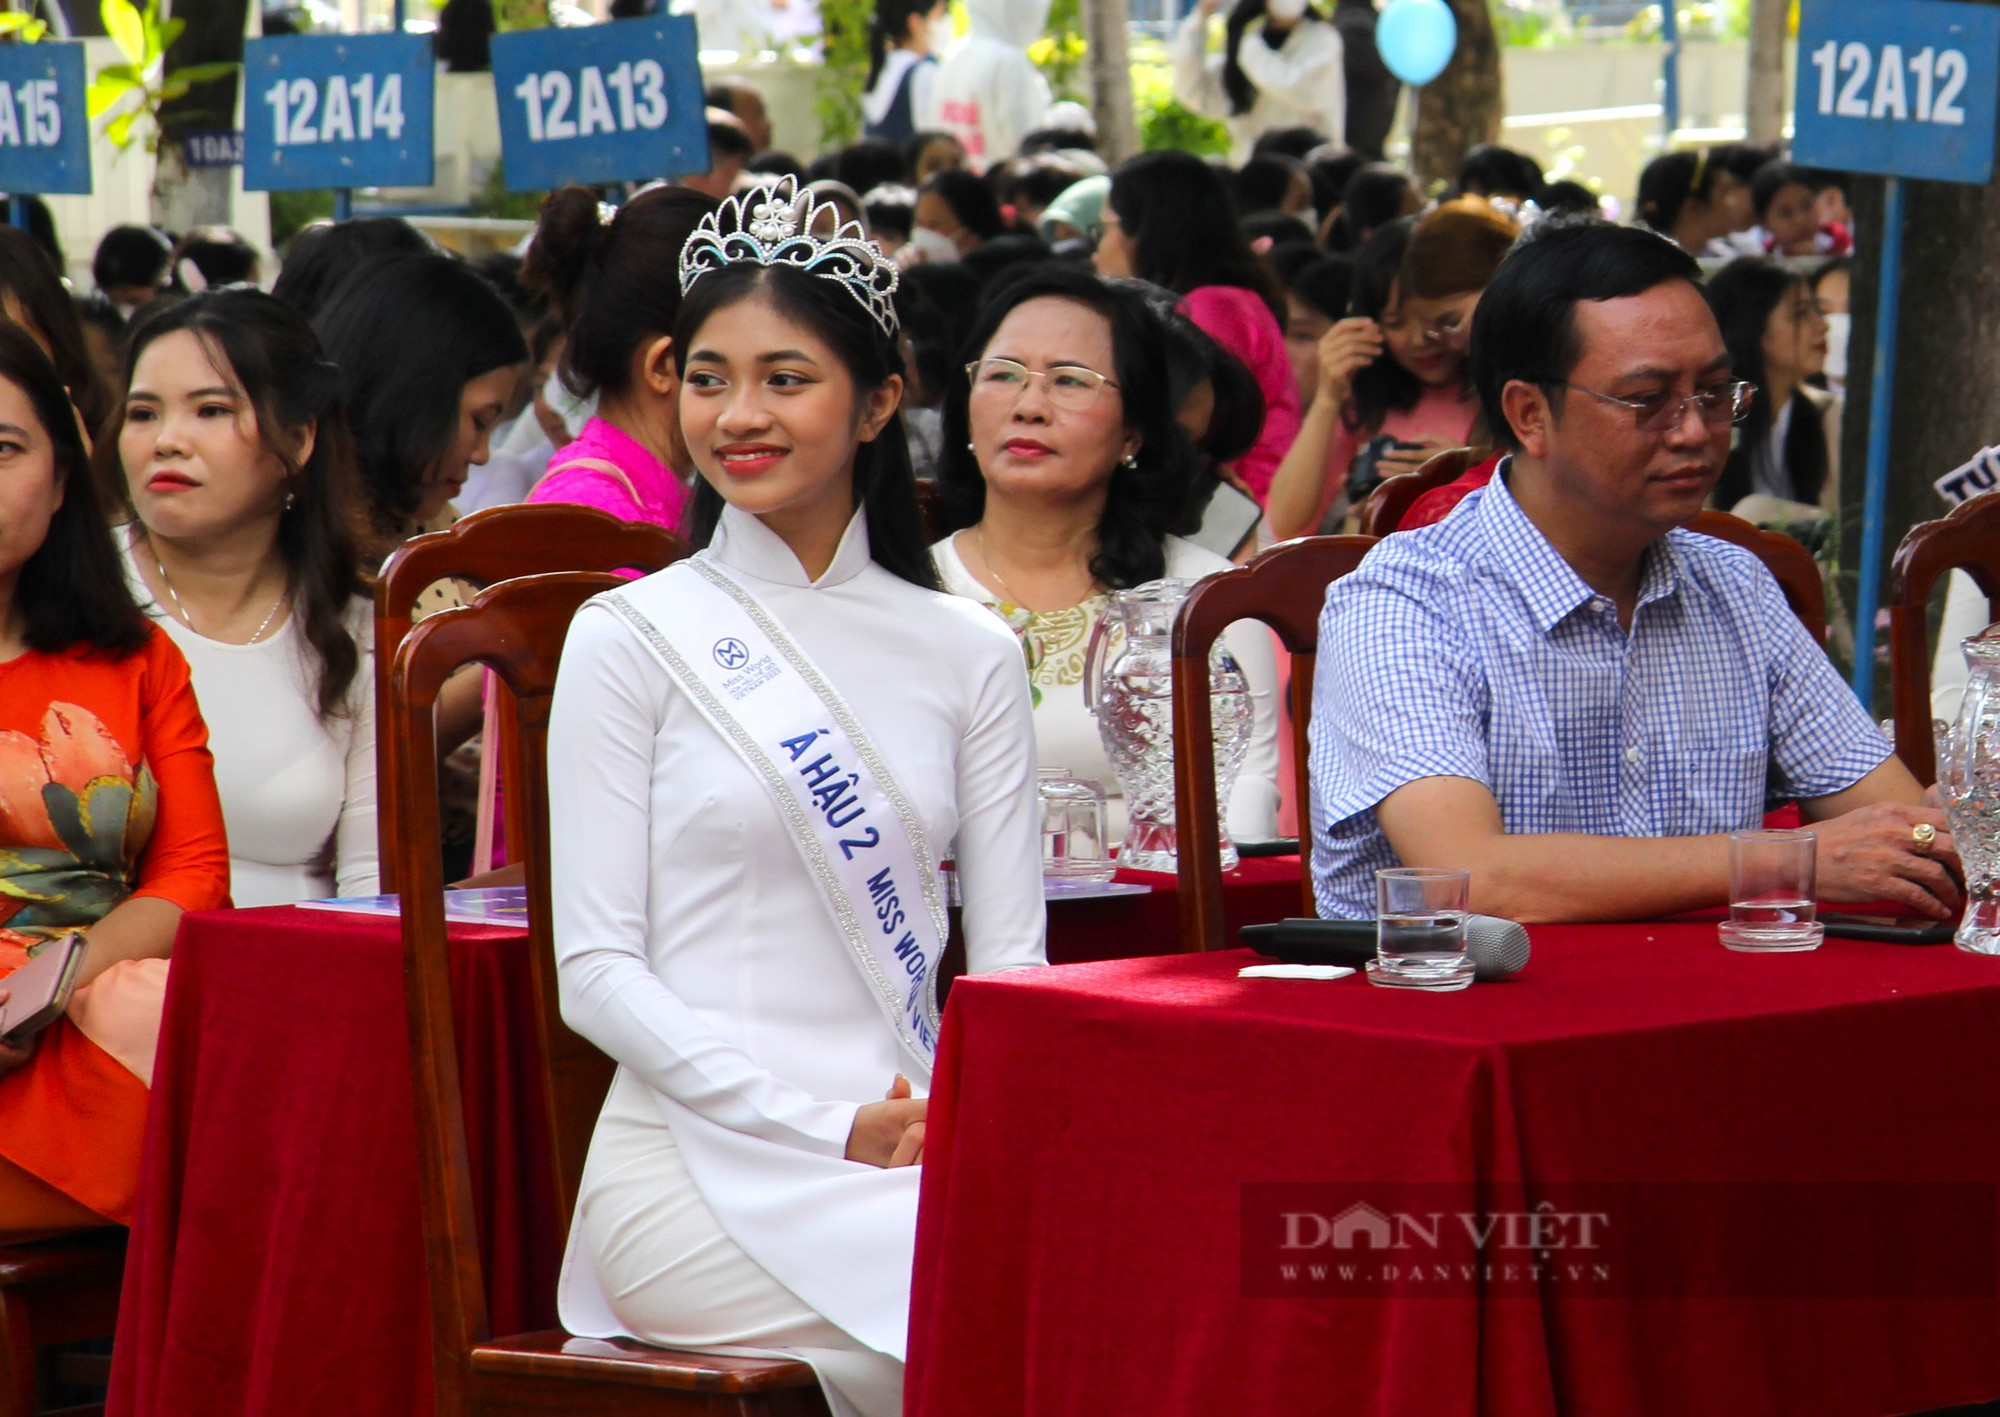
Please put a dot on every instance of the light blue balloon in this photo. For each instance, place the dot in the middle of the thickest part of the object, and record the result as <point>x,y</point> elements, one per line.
<point>1416,38</point>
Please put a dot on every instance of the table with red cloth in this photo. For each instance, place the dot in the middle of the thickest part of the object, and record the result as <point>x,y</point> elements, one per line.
<point>1110,1146</point>
<point>277,1262</point>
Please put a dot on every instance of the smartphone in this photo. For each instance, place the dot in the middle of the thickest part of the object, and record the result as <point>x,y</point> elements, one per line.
<point>1890,929</point>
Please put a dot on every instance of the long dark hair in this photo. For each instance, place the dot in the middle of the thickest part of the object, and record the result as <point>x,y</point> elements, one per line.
<point>1145,502</point>
<point>1385,385</point>
<point>36,285</point>
<point>614,285</point>
<point>1743,295</point>
<point>1181,221</point>
<point>885,487</point>
<point>322,257</point>
<point>72,591</point>
<point>1235,83</point>
<point>1668,183</point>
<point>408,334</point>
<point>269,351</point>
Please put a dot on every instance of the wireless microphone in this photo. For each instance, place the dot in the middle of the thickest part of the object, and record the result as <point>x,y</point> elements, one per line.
<point>1498,948</point>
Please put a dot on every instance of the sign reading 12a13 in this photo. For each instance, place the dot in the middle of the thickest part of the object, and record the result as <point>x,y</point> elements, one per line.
<point>1905,89</point>
<point>603,103</point>
<point>337,111</point>
<point>44,135</point>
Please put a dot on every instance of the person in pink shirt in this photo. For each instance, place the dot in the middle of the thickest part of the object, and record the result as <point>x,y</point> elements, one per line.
<point>613,281</point>
<point>1396,369</point>
<point>1170,220</point>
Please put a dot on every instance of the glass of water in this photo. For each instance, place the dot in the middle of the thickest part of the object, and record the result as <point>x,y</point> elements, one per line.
<point>1073,845</point>
<point>1772,892</point>
<point>1420,929</point>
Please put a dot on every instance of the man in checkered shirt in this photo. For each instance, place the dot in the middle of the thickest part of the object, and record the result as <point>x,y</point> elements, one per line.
<point>1557,687</point>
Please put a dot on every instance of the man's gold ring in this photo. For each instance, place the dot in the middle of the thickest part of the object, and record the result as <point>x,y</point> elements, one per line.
<point>1923,834</point>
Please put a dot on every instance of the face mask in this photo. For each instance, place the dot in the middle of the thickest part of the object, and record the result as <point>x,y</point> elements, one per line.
<point>934,245</point>
<point>1311,218</point>
<point>1838,327</point>
<point>941,34</point>
<point>1285,12</point>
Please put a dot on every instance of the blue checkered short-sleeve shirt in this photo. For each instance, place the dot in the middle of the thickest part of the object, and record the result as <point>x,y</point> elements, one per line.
<point>1471,649</point>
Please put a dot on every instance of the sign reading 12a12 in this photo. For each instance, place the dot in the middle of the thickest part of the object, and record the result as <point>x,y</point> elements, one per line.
<point>337,111</point>
<point>1905,89</point>
<point>603,103</point>
<point>44,135</point>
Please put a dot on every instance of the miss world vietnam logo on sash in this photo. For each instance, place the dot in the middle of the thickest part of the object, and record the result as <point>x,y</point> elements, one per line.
<point>854,827</point>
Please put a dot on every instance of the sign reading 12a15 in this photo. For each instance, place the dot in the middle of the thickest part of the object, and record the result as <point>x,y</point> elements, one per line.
<point>337,111</point>
<point>603,103</point>
<point>1905,89</point>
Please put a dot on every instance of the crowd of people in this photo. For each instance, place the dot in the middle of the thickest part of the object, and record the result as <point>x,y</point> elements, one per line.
<point>1110,375</point>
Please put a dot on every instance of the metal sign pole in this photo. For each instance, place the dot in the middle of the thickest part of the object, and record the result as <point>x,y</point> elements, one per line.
<point>1875,491</point>
<point>1670,73</point>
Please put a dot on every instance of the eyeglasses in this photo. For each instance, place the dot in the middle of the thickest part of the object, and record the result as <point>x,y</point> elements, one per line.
<point>1717,404</point>
<point>1070,387</point>
<point>1448,329</point>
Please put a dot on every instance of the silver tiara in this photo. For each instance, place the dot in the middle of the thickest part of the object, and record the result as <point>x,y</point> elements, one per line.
<point>774,226</point>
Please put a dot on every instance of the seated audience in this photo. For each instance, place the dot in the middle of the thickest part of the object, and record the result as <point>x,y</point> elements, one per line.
<point>1070,223</point>
<point>729,152</point>
<point>891,210</point>
<point>1559,689</point>
<point>1065,466</point>
<point>1830,285</point>
<point>1395,370</point>
<point>32,296</point>
<point>108,817</point>
<point>616,287</point>
<point>133,264</point>
<point>1273,182</point>
<point>1375,195</point>
<point>1787,210</point>
<point>1785,466</point>
<point>209,256</point>
<point>928,153</point>
<point>1168,220</point>
<point>744,102</point>
<point>1317,289</point>
<point>955,212</point>
<point>1679,197</point>
<point>1490,170</point>
<point>326,253</point>
<point>103,337</point>
<point>234,461</point>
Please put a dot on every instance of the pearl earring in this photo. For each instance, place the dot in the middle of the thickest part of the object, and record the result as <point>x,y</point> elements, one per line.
<point>1131,462</point>
<point>968,446</point>
<point>291,499</point>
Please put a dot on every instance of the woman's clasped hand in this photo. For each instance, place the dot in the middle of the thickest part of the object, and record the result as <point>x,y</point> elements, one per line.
<point>889,1133</point>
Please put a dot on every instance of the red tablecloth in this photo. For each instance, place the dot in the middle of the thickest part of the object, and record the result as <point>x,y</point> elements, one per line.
<point>277,1260</point>
<point>1082,1240</point>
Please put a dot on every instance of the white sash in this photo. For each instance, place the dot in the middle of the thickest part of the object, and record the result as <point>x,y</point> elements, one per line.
<point>852,824</point>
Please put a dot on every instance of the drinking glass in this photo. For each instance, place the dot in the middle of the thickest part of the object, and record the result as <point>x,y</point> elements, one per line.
<point>1772,896</point>
<point>1073,846</point>
<point>1420,929</point>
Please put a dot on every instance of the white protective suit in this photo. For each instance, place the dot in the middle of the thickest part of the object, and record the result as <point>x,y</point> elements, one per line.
<point>1300,84</point>
<point>987,94</point>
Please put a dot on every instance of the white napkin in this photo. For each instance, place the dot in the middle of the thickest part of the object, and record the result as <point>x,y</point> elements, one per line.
<point>1293,971</point>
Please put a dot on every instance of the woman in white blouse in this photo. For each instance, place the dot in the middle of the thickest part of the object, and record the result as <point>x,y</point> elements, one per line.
<point>232,451</point>
<point>1064,463</point>
<point>757,760</point>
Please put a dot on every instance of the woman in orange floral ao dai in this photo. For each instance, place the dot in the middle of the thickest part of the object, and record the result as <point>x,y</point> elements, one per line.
<point>108,816</point>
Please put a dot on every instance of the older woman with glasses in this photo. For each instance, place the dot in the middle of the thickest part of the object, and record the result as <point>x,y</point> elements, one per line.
<point>1066,470</point>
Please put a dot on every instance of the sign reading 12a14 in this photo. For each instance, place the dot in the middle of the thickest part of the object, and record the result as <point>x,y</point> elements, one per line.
<point>1905,88</point>
<point>44,135</point>
<point>337,111</point>
<point>602,103</point>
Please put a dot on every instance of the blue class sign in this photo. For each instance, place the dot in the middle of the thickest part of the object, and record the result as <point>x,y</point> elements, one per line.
<point>337,111</point>
<point>1904,89</point>
<point>44,133</point>
<point>608,103</point>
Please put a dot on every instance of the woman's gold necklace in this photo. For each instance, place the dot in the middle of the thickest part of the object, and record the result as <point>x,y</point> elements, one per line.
<point>1000,581</point>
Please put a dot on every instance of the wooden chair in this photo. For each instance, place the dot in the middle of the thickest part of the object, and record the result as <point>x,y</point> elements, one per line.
<point>1387,505</point>
<point>1968,540</point>
<point>60,1290</point>
<point>491,545</point>
<point>516,628</point>
<point>1798,575</point>
<point>1285,588</point>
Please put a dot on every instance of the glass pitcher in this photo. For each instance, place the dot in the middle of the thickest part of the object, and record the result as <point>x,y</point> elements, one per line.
<point>1128,684</point>
<point>1969,787</point>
